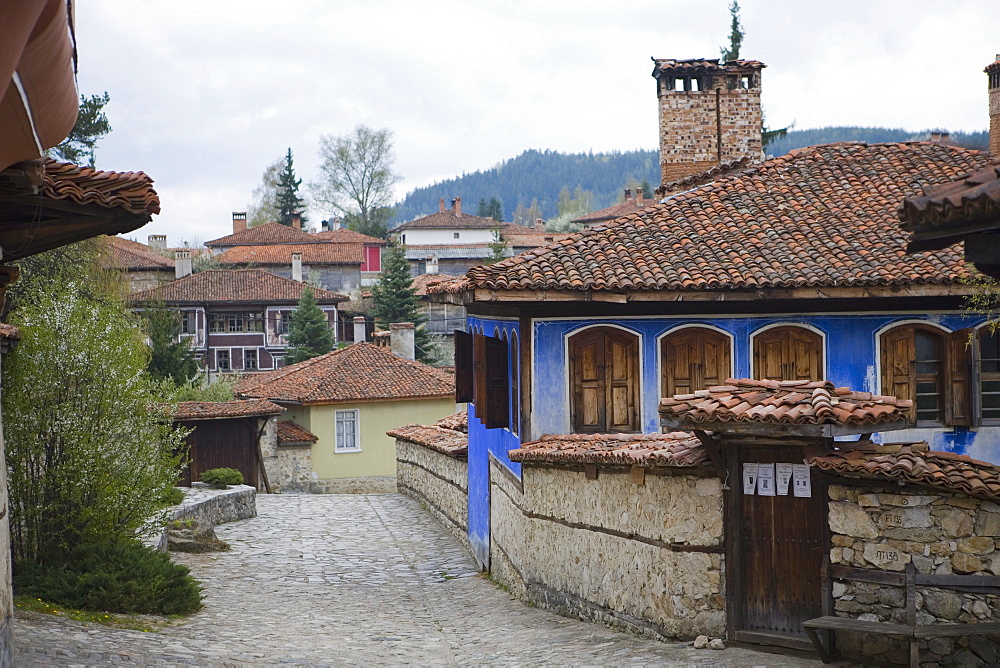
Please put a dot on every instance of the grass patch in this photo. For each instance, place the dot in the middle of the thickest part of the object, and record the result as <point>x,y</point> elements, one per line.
<point>135,622</point>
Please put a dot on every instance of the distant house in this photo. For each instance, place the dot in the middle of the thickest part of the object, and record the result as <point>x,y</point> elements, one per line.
<point>144,268</point>
<point>238,320</point>
<point>371,266</point>
<point>267,234</point>
<point>332,266</point>
<point>347,399</point>
<point>441,318</point>
<point>630,204</point>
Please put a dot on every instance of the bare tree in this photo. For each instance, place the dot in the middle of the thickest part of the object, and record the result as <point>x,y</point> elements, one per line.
<point>264,207</point>
<point>357,178</point>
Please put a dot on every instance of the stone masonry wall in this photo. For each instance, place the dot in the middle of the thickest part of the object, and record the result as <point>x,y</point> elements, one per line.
<point>212,506</point>
<point>376,484</point>
<point>888,527</point>
<point>646,557</point>
<point>438,481</point>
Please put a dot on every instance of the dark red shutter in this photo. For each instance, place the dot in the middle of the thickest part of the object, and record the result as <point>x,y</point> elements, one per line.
<point>463,367</point>
<point>497,384</point>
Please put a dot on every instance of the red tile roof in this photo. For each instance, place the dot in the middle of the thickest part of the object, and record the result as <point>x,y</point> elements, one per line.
<point>457,422</point>
<point>134,256</point>
<point>446,441</point>
<point>674,449</point>
<point>360,372</point>
<point>913,463</point>
<point>734,166</point>
<point>235,285</point>
<point>519,236</point>
<point>819,216</point>
<point>9,331</point>
<point>281,254</point>
<point>269,233</point>
<point>290,433</point>
<point>448,220</point>
<point>423,281</point>
<point>216,410</point>
<point>618,210</point>
<point>800,402</point>
<point>128,191</point>
<point>968,204</point>
<point>691,66</point>
<point>344,235</point>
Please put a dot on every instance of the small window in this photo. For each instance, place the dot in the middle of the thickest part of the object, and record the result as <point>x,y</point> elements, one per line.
<point>402,239</point>
<point>250,359</point>
<point>281,322</point>
<point>187,322</point>
<point>989,375</point>
<point>347,431</point>
<point>455,235</point>
<point>222,360</point>
<point>235,323</point>
<point>679,84</point>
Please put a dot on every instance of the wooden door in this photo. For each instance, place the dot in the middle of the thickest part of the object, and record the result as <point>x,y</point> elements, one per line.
<point>693,359</point>
<point>788,353</point>
<point>604,370</point>
<point>776,551</point>
<point>223,443</point>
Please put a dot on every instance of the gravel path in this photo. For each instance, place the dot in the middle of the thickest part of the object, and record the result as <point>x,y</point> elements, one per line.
<point>352,580</point>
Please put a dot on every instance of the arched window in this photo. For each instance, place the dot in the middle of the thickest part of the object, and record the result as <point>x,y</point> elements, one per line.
<point>931,368</point>
<point>788,353</point>
<point>604,381</point>
<point>692,359</point>
<point>515,396</point>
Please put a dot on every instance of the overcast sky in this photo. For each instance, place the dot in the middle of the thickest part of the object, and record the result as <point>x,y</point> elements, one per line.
<point>205,94</point>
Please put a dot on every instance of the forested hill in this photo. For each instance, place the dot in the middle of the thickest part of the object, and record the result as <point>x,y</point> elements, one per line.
<point>541,175</point>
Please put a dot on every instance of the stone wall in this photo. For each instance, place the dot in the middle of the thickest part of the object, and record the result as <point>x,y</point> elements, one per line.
<point>289,467</point>
<point>438,481</point>
<point>377,484</point>
<point>212,506</point>
<point>646,557</point>
<point>886,528</point>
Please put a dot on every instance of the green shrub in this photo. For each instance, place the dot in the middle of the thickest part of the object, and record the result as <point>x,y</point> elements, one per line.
<point>124,576</point>
<point>172,496</point>
<point>221,478</point>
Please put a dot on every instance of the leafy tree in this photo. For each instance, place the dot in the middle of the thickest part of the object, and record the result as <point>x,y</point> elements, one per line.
<point>736,34</point>
<point>491,209</point>
<point>498,247</point>
<point>287,198</point>
<point>264,207</point>
<point>395,300</point>
<point>357,177</point>
<point>577,204</point>
<point>91,126</point>
<point>308,334</point>
<point>376,225</point>
<point>221,388</point>
<point>88,456</point>
<point>171,356</point>
<point>527,215</point>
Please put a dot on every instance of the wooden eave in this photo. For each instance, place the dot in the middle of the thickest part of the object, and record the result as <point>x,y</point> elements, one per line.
<point>778,429</point>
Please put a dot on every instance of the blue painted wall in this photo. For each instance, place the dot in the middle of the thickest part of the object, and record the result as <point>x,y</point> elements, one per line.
<point>851,359</point>
<point>482,443</point>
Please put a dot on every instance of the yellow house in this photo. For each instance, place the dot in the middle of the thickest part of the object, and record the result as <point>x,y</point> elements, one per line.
<point>347,399</point>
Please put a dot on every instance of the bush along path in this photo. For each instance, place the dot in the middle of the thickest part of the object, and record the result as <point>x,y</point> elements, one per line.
<point>352,579</point>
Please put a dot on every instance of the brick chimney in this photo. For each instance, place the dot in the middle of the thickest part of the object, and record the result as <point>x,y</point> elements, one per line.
<point>456,206</point>
<point>239,221</point>
<point>993,72</point>
<point>297,221</point>
<point>157,241</point>
<point>401,339</point>
<point>182,263</point>
<point>639,195</point>
<point>628,194</point>
<point>539,225</point>
<point>360,328</point>
<point>441,205</point>
<point>709,113</point>
<point>297,267</point>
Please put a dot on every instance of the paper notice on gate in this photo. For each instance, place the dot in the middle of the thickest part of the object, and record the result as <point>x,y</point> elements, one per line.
<point>765,479</point>
<point>784,477</point>
<point>749,477</point>
<point>800,477</point>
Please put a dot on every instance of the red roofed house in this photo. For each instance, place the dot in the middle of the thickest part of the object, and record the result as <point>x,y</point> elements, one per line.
<point>347,399</point>
<point>793,269</point>
<point>237,320</point>
<point>144,268</point>
<point>630,204</point>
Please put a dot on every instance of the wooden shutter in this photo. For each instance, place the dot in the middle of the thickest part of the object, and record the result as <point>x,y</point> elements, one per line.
<point>694,359</point>
<point>898,365</point>
<point>958,379</point>
<point>622,376</point>
<point>788,353</point>
<point>604,371</point>
<point>497,384</point>
<point>479,374</point>
<point>587,364</point>
<point>464,378</point>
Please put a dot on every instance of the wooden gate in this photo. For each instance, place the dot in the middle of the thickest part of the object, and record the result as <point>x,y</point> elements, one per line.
<point>230,443</point>
<point>775,548</point>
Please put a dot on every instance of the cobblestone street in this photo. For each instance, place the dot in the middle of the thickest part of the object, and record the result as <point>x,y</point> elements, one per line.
<point>339,579</point>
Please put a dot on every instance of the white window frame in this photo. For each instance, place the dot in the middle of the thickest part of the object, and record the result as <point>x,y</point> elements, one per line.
<point>350,415</point>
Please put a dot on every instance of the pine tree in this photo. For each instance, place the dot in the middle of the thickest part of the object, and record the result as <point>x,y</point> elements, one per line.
<point>491,209</point>
<point>288,200</point>
<point>735,36</point>
<point>169,357</point>
<point>498,247</point>
<point>308,334</point>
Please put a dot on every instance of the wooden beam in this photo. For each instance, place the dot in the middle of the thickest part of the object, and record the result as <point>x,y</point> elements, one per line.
<point>777,429</point>
<point>712,447</point>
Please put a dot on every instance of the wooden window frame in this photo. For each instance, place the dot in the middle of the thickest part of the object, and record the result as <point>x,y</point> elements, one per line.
<point>491,381</point>
<point>603,383</point>
<point>667,340</point>
<point>515,377</point>
<point>464,378</point>
<point>355,420</point>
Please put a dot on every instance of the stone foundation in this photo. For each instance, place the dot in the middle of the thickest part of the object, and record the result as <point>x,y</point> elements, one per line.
<point>886,528</point>
<point>382,484</point>
<point>644,557</point>
<point>438,481</point>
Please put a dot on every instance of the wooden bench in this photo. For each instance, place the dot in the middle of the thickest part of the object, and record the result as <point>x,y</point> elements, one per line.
<point>910,579</point>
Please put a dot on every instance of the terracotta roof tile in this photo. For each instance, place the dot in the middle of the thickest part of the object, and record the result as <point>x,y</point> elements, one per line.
<point>446,441</point>
<point>735,166</point>
<point>448,220</point>
<point>616,211</point>
<point>820,216</point>
<point>702,65</point>
<point>674,449</point>
<point>344,235</point>
<point>237,285</point>
<point>949,207</point>
<point>130,191</point>
<point>290,433</point>
<point>269,233</point>
<point>360,372</point>
<point>783,402</point>
<point>9,331</point>
<point>281,254</point>
<point>423,281</point>
<point>457,422</point>
<point>214,410</point>
<point>914,463</point>
<point>133,256</point>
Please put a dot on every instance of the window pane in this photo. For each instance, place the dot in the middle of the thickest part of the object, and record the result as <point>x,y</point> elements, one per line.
<point>347,437</point>
<point>989,351</point>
